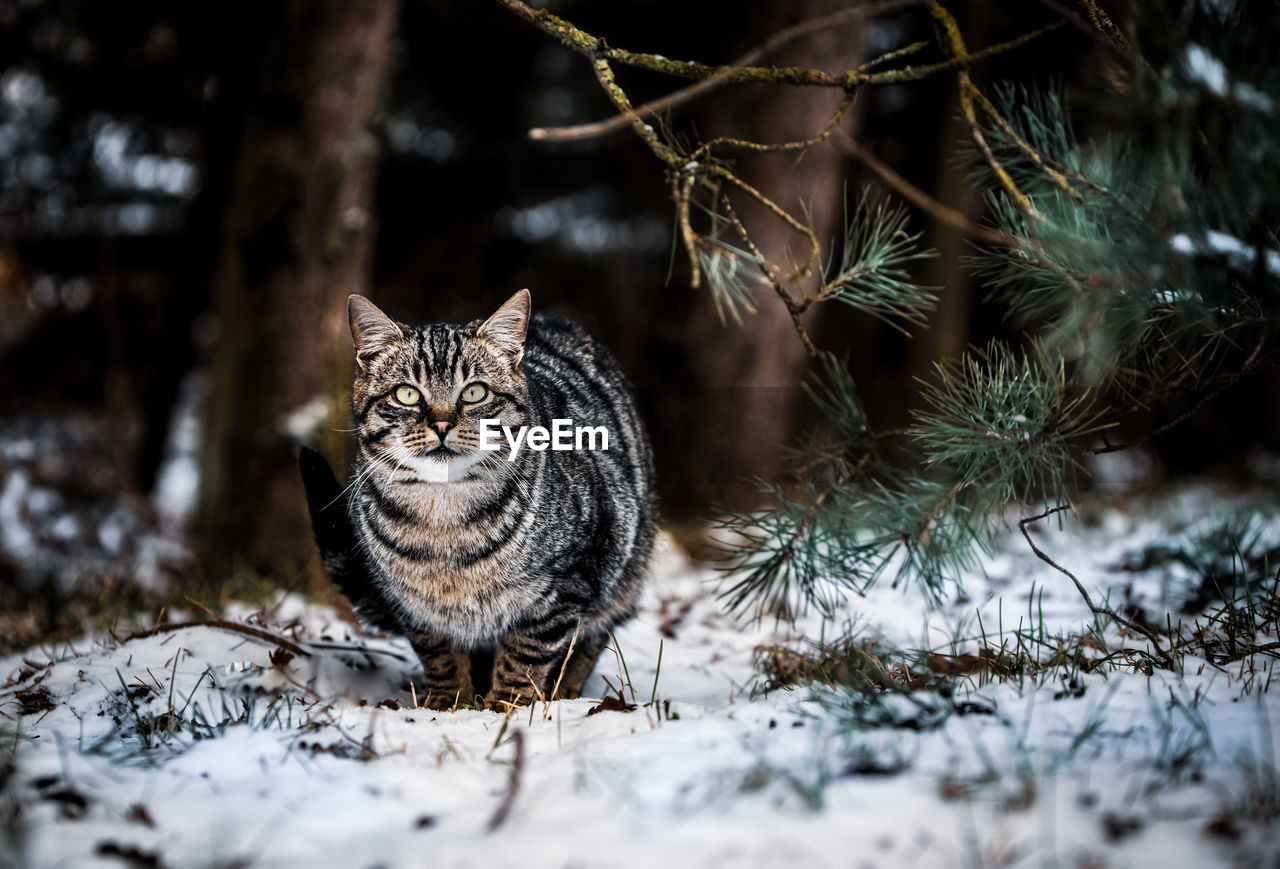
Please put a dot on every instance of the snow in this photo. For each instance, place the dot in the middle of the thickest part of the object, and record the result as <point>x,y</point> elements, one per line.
<point>14,537</point>
<point>178,477</point>
<point>69,515</point>
<point>1205,68</point>
<point>1238,254</point>
<point>302,422</point>
<point>334,767</point>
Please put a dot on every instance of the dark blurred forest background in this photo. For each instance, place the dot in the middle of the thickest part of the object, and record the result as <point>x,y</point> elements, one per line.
<point>189,191</point>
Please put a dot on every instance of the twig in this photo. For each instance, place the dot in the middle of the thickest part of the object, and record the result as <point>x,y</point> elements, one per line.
<point>942,213</point>
<point>1245,652</point>
<point>711,77</point>
<point>952,43</point>
<point>788,548</point>
<point>1253,363</point>
<point>365,745</point>
<point>342,647</point>
<point>513,783</point>
<point>740,70</point>
<point>225,625</point>
<point>1105,25</point>
<point>922,527</point>
<point>782,214</point>
<point>681,188</point>
<point>682,192</point>
<point>604,74</point>
<point>1089,30</point>
<point>798,145</point>
<point>794,308</point>
<point>1094,608</point>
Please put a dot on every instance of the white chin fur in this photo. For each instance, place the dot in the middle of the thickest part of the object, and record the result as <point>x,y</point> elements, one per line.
<point>442,470</point>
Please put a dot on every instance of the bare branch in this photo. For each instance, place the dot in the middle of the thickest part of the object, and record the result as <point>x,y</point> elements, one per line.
<point>1094,608</point>
<point>1252,364</point>
<point>224,625</point>
<point>942,213</point>
<point>709,78</point>
<point>1102,21</point>
<point>794,308</point>
<point>951,42</point>
<point>1085,27</point>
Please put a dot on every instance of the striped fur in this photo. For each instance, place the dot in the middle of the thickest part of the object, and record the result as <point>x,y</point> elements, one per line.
<point>490,566</point>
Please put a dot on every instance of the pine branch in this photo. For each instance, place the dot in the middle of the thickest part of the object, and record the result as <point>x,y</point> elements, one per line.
<point>1005,423</point>
<point>872,277</point>
<point>1140,262</point>
<point>878,288</point>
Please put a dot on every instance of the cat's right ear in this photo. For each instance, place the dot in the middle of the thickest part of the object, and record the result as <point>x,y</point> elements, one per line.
<point>371,330</point>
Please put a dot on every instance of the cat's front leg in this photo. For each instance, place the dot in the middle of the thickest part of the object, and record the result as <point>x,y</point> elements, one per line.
<point>447,671</point>
<point>528,661</point>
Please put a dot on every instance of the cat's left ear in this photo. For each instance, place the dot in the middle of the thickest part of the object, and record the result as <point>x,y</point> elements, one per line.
<point>505,330</point>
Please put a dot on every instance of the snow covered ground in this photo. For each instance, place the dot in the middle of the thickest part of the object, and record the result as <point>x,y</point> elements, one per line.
<point>203,746</point>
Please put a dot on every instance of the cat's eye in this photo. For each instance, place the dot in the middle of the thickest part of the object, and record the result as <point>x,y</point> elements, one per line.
<point>475,392</point>
<point>407,395</point>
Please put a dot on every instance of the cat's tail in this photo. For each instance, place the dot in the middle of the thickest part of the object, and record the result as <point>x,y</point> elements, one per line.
<point>336,539</point>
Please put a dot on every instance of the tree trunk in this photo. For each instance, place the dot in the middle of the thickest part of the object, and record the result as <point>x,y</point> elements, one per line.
<point>755,370</point>
<point>950,326</point>
<point>296,240</point>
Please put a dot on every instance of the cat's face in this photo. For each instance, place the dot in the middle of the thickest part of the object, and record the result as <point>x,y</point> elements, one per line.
<point>420,394</point>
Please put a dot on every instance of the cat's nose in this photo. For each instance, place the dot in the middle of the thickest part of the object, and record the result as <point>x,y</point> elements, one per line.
<point>442,426</point>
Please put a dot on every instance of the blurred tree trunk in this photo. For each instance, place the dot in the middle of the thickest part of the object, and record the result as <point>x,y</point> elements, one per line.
<point>763,361</point>
<point>296,239</point>
<point>950,327</point>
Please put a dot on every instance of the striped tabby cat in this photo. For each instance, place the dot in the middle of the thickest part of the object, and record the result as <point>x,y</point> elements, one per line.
<point>488,565</point>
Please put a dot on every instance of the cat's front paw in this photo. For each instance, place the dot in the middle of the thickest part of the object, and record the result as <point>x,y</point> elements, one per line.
<point>444,701</point>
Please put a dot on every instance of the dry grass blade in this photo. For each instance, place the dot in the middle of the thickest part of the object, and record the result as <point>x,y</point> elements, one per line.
<point>555,689</point>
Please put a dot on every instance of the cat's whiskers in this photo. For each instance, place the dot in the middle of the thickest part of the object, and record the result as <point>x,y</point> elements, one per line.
<point>355,482</point>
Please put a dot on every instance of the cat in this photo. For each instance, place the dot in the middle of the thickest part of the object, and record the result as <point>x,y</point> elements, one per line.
<point>492,562</point>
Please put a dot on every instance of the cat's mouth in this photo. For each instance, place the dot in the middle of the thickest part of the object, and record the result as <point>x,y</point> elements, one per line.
<point>439,465</point>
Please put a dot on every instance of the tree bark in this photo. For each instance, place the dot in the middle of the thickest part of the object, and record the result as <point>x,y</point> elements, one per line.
<point>296,240</point>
